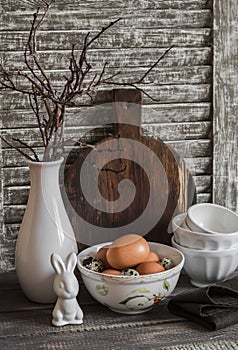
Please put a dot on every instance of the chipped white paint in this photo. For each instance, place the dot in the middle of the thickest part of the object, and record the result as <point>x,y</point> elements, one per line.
<point>182,116</point>
<point>225,155</point>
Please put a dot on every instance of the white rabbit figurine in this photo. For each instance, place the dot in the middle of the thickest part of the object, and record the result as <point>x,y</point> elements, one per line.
<point>66,287</point>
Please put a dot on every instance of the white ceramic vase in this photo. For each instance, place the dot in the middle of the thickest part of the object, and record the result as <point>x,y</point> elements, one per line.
<point>45,229</point>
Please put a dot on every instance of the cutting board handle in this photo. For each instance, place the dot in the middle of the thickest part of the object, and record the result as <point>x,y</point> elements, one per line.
<point>127,112</point>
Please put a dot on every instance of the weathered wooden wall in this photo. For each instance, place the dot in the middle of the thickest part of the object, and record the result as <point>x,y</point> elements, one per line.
<point>182,82</point>
<point>225,89</point>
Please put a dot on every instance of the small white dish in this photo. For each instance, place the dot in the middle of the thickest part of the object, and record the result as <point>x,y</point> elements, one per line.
<point>132,294</point>
<point>211,218</point>
<point>205,267</point>
<point>196,240</point>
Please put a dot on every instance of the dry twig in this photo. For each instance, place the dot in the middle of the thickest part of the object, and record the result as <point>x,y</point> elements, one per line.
<point>49,105</point>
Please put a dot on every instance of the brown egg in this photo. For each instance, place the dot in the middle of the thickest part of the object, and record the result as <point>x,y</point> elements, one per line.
<point>127,251</point>
<point>111,272</point>
<point>152,257</point>
<point>147,268</point>
<point>101,254</point>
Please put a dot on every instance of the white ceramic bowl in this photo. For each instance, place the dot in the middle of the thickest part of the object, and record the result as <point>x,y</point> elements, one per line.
<point>205,267</point>
<point>196,240</point>
<point>211,218</point>
<point>132,294</point>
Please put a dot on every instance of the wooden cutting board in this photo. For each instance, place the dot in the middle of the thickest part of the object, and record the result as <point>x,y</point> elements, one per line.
<point>102,201</point>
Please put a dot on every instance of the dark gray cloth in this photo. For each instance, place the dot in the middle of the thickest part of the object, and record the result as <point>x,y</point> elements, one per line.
<point>214,307</point>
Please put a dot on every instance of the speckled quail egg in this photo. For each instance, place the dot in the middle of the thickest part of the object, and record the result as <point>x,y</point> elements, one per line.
<point>93,263</point>
<point>130,272</point>
<point>167,263</point>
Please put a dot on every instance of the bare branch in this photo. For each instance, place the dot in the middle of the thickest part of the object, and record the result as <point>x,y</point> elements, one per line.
<point>140,81</point>
<point>101,74</point>
<point>131,85</point>
<point>91,84</point>
<point>37,114</point>
<point>42,94</point>
<point>102,31</point>
<point>48,87</point>
<point>88,94</point>
<point>26,145</point>
<point>112,76</point>
<point>70,80</point>
<point>35,26</point>
<point>154,65</point>
<point>17,149</point>
<point>30,51</point>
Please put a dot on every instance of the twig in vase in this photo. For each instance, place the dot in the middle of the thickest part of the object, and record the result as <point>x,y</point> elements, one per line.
<point>137,82</point>
<point>49,104</point>
<point>26,145</point>
<point>20,151</point>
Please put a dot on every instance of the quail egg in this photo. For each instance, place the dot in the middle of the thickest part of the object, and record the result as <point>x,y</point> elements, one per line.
<point>93,263</point>
<point>130,272</point>
<point>166,263</point>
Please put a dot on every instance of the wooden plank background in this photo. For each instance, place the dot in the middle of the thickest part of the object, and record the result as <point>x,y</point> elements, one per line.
<point>182,83</point>
<point>225,89</point>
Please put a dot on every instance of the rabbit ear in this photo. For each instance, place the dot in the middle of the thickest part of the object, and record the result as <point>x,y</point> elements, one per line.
<point>71,261</point>
<point>57,263</point>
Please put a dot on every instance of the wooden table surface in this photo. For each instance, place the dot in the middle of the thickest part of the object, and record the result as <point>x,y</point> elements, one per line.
<point>26,325</point>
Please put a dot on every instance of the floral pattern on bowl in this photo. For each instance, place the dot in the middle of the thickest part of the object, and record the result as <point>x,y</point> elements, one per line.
<point>143,298</point>
<point>132,294</point>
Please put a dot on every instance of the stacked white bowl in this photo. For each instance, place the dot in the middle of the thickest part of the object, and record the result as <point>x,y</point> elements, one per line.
<point>207,235</point>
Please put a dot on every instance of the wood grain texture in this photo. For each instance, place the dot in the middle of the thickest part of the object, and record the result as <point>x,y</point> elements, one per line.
<point>225,156</point>
<point>13,213</point>
<point>3,246</point>
<point>119,38</point>
<point>151,114</point>
<point>19,194</point>
<point>169,75</point>
<point>182,116</point>
<point>138,158</point>
<point>165,94</point>
<point>186,148</point>
<point>28,326</point>
<point>16,177</point>
<point>112,4</point>
<point>165,131</point>
<point>88,18</point>
<point>187,57</point>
